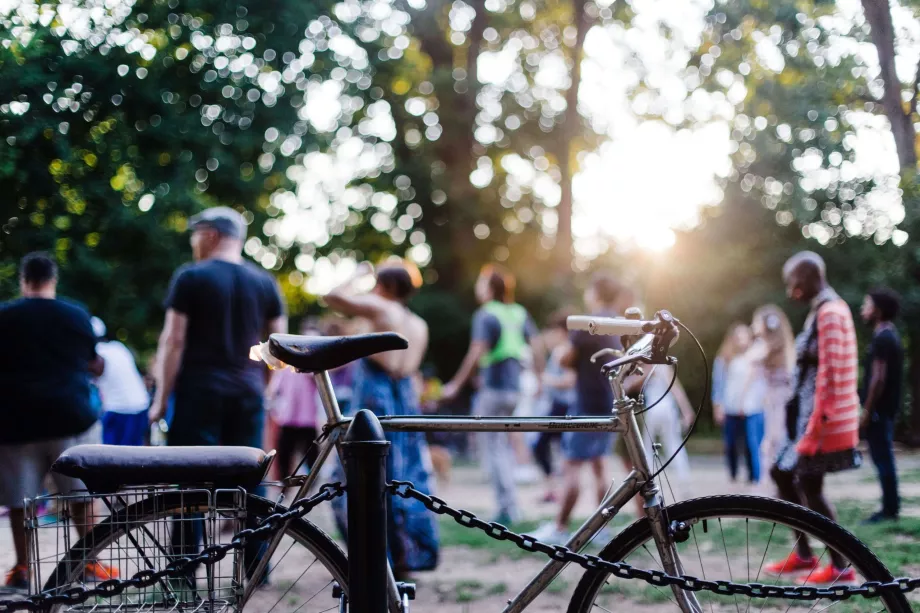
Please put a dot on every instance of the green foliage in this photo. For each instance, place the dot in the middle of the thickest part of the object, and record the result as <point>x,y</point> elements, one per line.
<point>119,123</point>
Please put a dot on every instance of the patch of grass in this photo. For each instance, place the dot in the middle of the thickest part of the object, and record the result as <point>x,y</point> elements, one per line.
<point>471,590</point>
<point>497,588</point>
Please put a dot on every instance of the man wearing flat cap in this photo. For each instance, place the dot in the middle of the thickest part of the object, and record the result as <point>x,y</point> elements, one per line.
<point>216,309</point>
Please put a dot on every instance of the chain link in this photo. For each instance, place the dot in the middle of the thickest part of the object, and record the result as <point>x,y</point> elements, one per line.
<point>870,589</point>
<point>179,566</point>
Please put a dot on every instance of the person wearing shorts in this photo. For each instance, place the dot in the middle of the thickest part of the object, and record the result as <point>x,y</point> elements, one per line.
<point>47,406</point>
<point>593,398</point>
<point>124,395</point>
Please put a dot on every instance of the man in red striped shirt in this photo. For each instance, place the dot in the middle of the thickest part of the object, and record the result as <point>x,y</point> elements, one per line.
<point>823,414</point>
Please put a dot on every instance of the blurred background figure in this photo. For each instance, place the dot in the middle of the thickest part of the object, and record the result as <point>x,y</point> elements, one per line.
<point>122,390</point>
<point>293,404</point>
<point>743,409</point>
<point>47,406</point>
<point>773,357</point>
<point>822,417</point>
<point>593,398</point>
<point>736,342</point>
<point>671,414</point>
<point>557,398</point>
<point>383,383</point>
<point>881,394</point>
<point>503,332</point>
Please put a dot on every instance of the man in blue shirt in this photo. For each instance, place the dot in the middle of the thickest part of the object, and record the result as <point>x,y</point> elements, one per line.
<point>503,335</point>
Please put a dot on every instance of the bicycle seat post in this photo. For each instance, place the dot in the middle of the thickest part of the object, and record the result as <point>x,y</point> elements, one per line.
<point>327,396</point>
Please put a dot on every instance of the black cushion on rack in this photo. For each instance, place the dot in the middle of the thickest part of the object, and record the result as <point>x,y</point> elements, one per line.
<point>107,468</point>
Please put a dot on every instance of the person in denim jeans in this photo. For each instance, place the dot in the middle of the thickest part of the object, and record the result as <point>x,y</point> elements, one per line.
<point>881,394</point>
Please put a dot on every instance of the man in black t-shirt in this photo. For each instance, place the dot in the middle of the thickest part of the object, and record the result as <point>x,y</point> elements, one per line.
<point>46,406</point>
<point>881,394</point>
<point>216,309</point>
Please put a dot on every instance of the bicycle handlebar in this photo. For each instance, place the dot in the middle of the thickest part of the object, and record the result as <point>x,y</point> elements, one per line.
<point>611,326</point>
<point>662,325</point>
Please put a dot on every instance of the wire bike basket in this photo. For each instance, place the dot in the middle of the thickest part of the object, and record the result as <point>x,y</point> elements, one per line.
<point>143,529</point>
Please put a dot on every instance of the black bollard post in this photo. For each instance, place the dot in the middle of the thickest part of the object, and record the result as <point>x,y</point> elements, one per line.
<point>365,450</point>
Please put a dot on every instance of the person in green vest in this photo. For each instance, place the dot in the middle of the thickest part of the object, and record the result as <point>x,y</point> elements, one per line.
<point>504,338</point>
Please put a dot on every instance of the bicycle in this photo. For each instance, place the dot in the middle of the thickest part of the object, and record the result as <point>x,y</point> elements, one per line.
<point>676,541</point>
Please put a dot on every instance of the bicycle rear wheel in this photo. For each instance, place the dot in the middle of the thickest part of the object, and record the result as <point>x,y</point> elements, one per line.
<point>141,536</point>
<point>734,538</point>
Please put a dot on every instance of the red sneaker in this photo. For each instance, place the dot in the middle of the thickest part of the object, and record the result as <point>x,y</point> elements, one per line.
<point>829,575</point>
<point>791,565</point>
<point>99,572</point>
<point>18,577</point>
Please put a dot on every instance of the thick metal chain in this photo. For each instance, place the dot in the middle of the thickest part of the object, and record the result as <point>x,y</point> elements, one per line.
<point>179,566</point>
<point>870,589</point>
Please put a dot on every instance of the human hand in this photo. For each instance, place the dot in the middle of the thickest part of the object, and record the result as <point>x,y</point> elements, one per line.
<point>157,410</point>
<point>449,392</point>
<point>864,418</point>
<point>364,268</point>
<point>687,420</point>
<point>718,414</point>
<point>807,446</point>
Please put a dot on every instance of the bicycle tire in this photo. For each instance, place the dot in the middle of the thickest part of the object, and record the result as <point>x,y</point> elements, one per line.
<point>742,507</point>
<point>166,505</point>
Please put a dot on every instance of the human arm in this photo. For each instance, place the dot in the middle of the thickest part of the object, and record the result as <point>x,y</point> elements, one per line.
<point>469,365</point>
<point>484,335</point>
<point>345,299</point>
<point>877,378</point>
<point>170,349</point>
<point>718,391</point>
<point>97,366</point>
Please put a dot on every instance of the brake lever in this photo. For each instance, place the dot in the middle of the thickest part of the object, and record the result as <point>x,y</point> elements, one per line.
<point>616,353</point>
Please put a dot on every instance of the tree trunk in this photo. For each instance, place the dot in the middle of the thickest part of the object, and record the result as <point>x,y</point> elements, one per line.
<point>570,129</point>
<point>455,146</point>
<point>878,14</point>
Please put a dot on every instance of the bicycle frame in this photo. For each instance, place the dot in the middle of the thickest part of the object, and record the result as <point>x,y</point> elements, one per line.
<point>622,421</point>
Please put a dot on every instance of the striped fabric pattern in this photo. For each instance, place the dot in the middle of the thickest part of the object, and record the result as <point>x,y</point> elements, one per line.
<point>834,423</point>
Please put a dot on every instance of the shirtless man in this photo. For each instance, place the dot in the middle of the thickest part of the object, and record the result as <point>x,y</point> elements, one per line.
<point>385,309</point>
<point>383,384</point>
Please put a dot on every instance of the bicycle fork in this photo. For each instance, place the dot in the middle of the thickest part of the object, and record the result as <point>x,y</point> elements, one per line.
<point>657,514</point>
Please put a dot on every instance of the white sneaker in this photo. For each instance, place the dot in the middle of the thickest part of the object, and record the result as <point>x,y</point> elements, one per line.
<point>601,539</point>
<point>550,533</point>
<point>526,474</point>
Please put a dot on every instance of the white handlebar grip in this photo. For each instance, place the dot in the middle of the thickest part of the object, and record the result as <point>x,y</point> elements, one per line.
<point>611,326</point>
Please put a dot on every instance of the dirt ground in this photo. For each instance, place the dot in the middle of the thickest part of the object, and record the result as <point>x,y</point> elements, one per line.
<point>477,575</point>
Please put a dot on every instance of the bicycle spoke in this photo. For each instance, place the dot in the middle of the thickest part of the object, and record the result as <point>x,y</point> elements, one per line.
<point>702,566</point>
<point>762,560</point>
<point>320,591</point>
<point>728,562</point>
<point>291,587</point>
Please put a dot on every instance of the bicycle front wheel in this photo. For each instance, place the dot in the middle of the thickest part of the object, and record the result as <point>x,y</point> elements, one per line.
<point>736,538</point>
<point>146,535</point>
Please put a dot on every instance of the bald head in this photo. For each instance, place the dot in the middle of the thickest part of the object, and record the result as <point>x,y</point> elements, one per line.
<point>805,275</point>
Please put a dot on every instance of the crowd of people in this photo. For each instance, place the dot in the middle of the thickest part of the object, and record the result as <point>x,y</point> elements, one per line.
<point>789,407</point>
<point>792,405</point>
